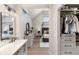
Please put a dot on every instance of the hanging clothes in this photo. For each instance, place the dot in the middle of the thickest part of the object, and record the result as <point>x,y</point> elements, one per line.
<point>77,23</point>
<point>71,24</point>
<point>77,15</point>
<point>68,21</point>
<point>62,27</point>
<point>62,24</point>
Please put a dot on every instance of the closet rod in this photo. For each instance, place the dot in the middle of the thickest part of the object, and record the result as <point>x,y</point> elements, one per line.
<point>69,12</point>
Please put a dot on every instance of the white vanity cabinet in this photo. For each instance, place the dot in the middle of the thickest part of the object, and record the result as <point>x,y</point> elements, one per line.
<point>30,40</point>
<point>68,44</point>
<point>19,47</point>
<point>22,50</point>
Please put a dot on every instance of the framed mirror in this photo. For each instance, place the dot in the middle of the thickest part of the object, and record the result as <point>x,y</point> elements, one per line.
<point>7,26</point>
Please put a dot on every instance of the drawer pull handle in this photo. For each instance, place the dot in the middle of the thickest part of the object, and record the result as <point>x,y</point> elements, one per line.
<point>68,52</point>
<point>67,45</point>
<point>68,40</point>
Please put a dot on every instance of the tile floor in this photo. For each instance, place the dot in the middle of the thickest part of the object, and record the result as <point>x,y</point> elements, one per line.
<point>37,50</point>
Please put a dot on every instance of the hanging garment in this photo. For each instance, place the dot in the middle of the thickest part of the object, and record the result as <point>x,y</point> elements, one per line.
<point>62,25</point>
<point>71,24</point>
<point>77,23</point>
<point>68,21</point>
<point>77,15</point>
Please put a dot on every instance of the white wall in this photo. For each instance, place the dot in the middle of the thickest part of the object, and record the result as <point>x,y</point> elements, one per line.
<point>21,20</point>
<point>38,20</point>
<point>25,18</point>
<point>54,29</point>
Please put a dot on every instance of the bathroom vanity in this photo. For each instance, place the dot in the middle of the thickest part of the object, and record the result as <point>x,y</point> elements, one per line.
<point>9,43</point>
<point>18,47</point>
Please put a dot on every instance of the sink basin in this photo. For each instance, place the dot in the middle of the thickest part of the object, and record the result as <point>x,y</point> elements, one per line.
<point>4,42</point>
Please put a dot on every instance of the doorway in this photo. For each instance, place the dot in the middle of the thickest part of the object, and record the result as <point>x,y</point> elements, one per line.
<point>38,33</point>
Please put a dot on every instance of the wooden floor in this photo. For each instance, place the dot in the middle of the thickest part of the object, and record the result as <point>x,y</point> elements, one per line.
<point>37,50</point>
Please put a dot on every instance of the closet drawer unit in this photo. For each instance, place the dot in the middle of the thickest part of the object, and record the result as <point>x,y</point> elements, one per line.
<point>67,49</point>
<point>68,40</point>
<point>68,35</point>
<point>67,45</point>
<point>67,52</point>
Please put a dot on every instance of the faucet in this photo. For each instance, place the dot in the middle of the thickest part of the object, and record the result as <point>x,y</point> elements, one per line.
<point>13,39</point>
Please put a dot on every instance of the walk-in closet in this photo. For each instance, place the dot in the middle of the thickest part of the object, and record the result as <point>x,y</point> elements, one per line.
<point>69,29</point>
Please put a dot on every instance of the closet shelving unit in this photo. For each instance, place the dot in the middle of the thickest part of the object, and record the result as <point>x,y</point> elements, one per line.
<point>68,10</point>
<point>68,42</point>
<point>45,32</point>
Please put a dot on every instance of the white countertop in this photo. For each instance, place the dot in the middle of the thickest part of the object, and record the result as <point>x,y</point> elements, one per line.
<point>4,42</point>
<point>12,48</point>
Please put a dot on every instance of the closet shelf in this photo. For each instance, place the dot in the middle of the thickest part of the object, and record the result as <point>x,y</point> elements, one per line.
<point>68,10</point>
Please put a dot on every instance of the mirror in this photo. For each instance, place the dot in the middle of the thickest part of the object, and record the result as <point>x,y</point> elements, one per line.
<point>7,26</point>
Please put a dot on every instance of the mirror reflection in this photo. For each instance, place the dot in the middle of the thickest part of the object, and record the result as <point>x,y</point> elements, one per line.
<point>7,26</point>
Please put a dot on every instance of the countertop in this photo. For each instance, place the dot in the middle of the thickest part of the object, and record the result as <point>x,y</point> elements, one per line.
<point>12,48</point>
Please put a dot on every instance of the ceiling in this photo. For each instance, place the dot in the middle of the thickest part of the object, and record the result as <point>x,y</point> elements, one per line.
<point>37,12</point>
<point>34,6</point>
<point>34,9</point>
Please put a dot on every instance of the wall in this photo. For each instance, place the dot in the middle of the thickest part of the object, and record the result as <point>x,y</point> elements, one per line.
<point>25,18</point>
<point>38,20</point>
<point>54,29</point>
<point>21,20</point>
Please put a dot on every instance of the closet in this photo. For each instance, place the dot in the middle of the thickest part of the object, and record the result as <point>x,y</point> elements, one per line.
<point>69,29</point>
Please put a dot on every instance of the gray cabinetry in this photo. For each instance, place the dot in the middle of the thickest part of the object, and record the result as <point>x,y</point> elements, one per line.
<point>68,43</point>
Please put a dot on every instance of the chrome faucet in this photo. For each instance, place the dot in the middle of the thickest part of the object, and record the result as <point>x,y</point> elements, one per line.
<point>13,39</point>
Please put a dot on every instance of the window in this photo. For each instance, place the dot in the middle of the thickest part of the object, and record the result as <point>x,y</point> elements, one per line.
<point>45,19</point>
